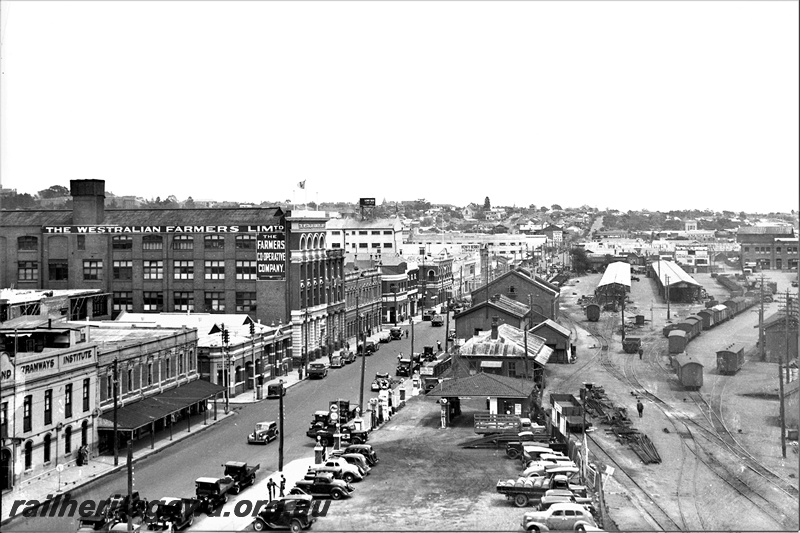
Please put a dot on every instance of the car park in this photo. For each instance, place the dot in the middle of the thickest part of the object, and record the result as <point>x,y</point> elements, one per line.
<point>294,513</point>
<point>559,517</point>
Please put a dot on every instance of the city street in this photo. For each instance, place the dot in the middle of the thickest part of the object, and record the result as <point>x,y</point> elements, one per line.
<point>173,472</point>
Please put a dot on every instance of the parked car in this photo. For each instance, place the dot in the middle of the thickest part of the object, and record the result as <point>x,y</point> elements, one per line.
<point>428,314</point>
<point>243,474</point>
<point>354,459</point>
<point>317,370</point>
<point>564,496</point>
<point>95,523</point>
<point>381,381</point>
<point>365,450</point>
<point>348,357</point>
<point>292,512</point>
<point>323,485</point>
<point>212,492</point>
<point>340,469</point>
<point>119,507</point>
<point>172,514</point>
<point>371,347</point>
<point>396,333</point>
<point>263,433</point>
<point>276,390</point>
<point>559,517</point>
<point>437,321</point>
<point>384,336</point>
<point>337,361</point>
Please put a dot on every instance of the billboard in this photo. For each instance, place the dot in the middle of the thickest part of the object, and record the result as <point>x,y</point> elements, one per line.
<point>271,256</point>
<point>367,202</point>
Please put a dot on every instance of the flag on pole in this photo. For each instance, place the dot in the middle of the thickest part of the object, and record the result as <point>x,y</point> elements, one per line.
<point>302,184</point>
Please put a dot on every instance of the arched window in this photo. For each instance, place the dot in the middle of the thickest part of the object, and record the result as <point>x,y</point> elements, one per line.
<point>68,439</point>
<point>302,242</point>
<point>85,433</point>
<point>28,455</point>
<point>431,275</point>
<point>47,442</point>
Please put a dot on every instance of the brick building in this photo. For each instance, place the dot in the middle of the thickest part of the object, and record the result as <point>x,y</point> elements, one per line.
<point>768,247</point>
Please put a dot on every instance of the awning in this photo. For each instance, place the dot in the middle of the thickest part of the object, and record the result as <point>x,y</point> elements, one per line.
<point>142,413</point>
<point>491,364</point>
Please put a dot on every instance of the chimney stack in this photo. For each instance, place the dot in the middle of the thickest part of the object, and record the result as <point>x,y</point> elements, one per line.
<point>88,201</point>
<point>494,327</point>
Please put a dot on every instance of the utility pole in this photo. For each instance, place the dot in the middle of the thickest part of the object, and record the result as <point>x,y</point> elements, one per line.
<point>666,291</point>
<point>761,350</point>
<point>281,416</point>
<point>447,325</point>
<point>115,377</point>
<point>411,359</point>
<point>129,510</point>
<point>622,310</point>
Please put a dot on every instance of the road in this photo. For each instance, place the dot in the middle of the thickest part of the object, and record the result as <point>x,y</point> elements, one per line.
<point>173,472</point>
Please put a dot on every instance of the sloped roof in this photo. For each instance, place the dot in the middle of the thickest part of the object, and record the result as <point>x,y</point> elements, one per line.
<point>524,275</point>
<point>484,384</point>
<point>146,217</point>
<point>766,230</point>
<point>501,303</point>
<point>510,342</point>
<point>676,274</point>
<point>207,324</point>
<point>553,325</point>
<point>617,273</point>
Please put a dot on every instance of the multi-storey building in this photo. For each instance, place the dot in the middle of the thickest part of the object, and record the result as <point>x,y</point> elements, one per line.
<point>363,297</point>
<point>504,244</point>
<point>435,280</point>
<point>271,265</point>
<point>48,393</point>
<point>399,288</point>
<point>768,247</point>
<point>370,236</point>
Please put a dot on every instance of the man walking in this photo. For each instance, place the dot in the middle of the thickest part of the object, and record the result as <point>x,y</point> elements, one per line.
<point>641,352</point>
<point>271,488</point>
<point>406,334</point>
<point>639,407</point>
<point>283,484</point>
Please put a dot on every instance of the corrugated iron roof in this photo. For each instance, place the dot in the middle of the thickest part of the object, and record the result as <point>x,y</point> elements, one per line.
<point>553,325</point>
<point>766,230</point>
<point>510,342</point>
<point>676,274</point>
<point>484,384</point>
<point>618,273</point>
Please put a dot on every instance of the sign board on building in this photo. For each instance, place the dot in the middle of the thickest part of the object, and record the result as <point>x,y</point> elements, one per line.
<point>367,202</point>
<point>426,371</point>
<point>177,229</point>
<point>271,256</point>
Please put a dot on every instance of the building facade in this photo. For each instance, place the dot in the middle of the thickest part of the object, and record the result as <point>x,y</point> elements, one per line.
<point>768,247</point>
<point>542,297</point>
<point>363,298</point>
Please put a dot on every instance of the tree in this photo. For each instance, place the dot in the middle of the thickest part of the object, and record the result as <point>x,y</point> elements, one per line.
<point>189,204</point>
<point>487,204</point>
<point>580,260</point>
<point>556,207</point>
<point>54,191</point>
<point>543,209</point>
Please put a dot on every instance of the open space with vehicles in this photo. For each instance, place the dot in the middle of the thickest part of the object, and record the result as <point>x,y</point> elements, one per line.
<point>294,513</point>
<point>263,433</point>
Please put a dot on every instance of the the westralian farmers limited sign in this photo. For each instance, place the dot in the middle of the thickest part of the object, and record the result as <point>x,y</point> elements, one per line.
<point>271,256</point>
<point>165,229</point>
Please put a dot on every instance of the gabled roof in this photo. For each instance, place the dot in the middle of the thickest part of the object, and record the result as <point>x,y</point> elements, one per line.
<point>554,326</point>
<point>484,384</point>
<point>510,342</point>
<point>777,320</point>
<point>501,303</point>
<point>525,276</point>
<point>766,230</point>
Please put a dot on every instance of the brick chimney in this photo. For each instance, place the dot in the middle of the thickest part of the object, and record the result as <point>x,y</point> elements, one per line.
<point>88,201</point>
<point>494,326</point>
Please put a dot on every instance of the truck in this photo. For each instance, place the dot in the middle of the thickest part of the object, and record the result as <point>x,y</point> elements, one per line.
<point>523,491</point>
<point>243,475</point>
<point>349,435</point>
<point>213,491</point>
<point>121,507</point>
<point>172,514</point>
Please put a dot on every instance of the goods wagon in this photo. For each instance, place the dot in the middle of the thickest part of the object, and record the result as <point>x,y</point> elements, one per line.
<point>677,341</point>
<point>688,370</point>
<point>731,359</point>
<point>688,328</point>
<point>632,344</point>
<point>707,316</point>
<point>720,313</point>
<point>697,322</point>
<point>668,328</point>
<point>711,303</point>
<point>593,312</point>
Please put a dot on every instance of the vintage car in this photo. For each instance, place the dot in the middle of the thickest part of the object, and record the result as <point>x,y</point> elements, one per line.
<point>243,474</point>
<point>371,347</point>
<point>564,496</point>
<point>354,459</point>
<point>263,433</point>
<point>323,485</point>
<point>396,333</point>
<point>384,336</point>
<point>559,517</point>
<point>365,450</point>
<point>428,314</point>
<point>340,469</point>
<point>276,390</point>
<point>293,512</point>
<point>96,523</point>
<point>317,370</point>
<point>437,321</point>
<point>172,514</point>
<point>119,507</point>
<point>337,361</point>
<point>381,381</point>
<point>348,357</point>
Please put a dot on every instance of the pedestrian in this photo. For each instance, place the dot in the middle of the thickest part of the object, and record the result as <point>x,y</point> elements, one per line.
<point>399,357</point>
<point>271,488</point>
<point>410,320</point>
<point>300,373</point>
<point>406,334</point>
<point>439,346</point>
<point>639,407</point>
<point>283,485</point>
<point>641,352</point>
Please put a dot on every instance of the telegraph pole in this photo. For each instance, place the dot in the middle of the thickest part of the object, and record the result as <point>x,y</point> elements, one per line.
<point>761,347</point>
<point>280,435</point>
<point>115,377</point>
<point>666,291</point>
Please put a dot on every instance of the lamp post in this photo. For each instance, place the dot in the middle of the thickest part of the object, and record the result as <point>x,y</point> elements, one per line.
<point>363,364</point>
<point>305,343</point>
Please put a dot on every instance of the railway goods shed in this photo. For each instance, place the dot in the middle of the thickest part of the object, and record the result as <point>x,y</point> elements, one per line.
<point>674,283</point>
<point>615,283</point>
<point>688,370</point>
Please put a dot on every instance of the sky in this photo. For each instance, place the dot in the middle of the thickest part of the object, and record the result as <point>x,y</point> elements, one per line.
<point>626,105</point>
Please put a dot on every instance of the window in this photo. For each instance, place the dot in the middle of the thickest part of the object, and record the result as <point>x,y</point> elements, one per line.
<point>336,245</point>
<point>184,301</point>
<point>246,270</point>
<point>27,419</point>
<point>362,245</point>
<point>48,407</point>
<point>376,245</point>
<point>362,232</point>
<point>58,271</point>
<point>214,242</point>
<point>746,248</point>
<point>152,242</point>
<point>215,301</point>
<point>337,232</point>
<point>46,445</point>
<point>153,269</point>
<point>122,270</point>
<point>214,270</point>
<point>183,242</point>
<point>27,243</point>
<point>68,400</point>
<point>67,440</point>
<point>123,301</point>
<point>153,301</point>
<point>86,394</point>
<point>183,269</point>
<point>84,433</point>
<point>778,249</point>
<point>387,232</point>
<point>512,368</point>
<point>28,455</point>
<point>167,366</point>
<point>92,269</point>
<point>245,242</point>
<point>27,271</point>
<point>129,384</point>
<point>149,374</point>
<point>121,242</point>
<point>4,418</point>
<point>387,245</point>
<point>245,301</point>
<point>376,232</point>
<point>81,242</point>
<point>180,362</point>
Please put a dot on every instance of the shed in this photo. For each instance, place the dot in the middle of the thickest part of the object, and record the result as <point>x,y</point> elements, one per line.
<point>556,337</point>
<point>688,370</point>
